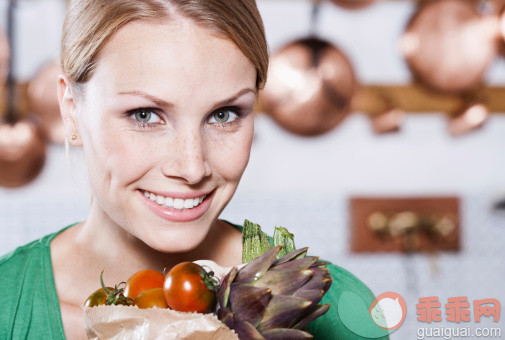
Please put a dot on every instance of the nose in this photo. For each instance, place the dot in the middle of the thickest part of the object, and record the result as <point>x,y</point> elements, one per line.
<point>188,158</point>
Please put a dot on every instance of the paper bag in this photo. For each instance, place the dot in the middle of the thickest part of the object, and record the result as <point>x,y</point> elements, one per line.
<point>127,322</point>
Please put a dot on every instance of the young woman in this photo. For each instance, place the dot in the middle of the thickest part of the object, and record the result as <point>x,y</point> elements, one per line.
<point>159,94</point>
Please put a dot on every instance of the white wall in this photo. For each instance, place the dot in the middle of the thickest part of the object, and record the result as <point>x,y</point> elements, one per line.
<point>304,183</point>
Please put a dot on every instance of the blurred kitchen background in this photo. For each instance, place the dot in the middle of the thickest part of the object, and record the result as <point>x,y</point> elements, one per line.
<point>379,142</point>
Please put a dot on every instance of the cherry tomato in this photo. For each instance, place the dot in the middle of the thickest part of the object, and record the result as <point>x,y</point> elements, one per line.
<point>187,288</point>
<point>97,298</point>
<point>151,298</point>
<point>142,281</point>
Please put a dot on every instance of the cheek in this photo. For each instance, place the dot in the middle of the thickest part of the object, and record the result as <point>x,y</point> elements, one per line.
<point>229,154</point>
<point>115,157</point>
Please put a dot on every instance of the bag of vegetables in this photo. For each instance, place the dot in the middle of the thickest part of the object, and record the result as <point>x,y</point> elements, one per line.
<point>275,294</point>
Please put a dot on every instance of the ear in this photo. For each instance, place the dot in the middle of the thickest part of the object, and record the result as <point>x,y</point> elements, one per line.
<point>68,109</point>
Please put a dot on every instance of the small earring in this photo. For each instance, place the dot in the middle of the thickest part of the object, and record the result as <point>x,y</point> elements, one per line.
<point>74,137</point>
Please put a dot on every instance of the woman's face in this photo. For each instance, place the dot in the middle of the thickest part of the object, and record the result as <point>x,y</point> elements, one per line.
<point>166,124</point>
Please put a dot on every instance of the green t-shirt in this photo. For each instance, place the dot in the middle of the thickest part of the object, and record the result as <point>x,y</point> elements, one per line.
<point>29,306</point>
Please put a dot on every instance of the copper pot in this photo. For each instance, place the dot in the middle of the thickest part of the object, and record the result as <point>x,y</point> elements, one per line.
<point>43,99</point>
<point>448,45</point>
<point>353,4</point>
<point>310,86</point>
<point>4,58</point>
<point>22,153</point>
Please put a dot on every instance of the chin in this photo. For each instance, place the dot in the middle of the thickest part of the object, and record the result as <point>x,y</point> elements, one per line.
<point>180,240</point>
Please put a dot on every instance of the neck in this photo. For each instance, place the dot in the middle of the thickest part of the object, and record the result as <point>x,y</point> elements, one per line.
<point>99,243</point>
<point>122,254</point>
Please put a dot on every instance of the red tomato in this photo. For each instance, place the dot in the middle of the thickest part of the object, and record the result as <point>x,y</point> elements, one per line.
<point>186,289</point>
<point>142,281</point>
<point>151,298</point>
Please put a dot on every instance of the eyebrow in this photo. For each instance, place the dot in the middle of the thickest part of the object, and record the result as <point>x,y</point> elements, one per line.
<point>163,103</point>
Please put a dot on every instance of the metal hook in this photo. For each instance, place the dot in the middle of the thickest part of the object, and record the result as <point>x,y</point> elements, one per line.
<point>314,17</point>
<point>11,91</point>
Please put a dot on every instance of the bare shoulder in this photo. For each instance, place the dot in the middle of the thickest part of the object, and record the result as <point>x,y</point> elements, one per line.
<point>231,232</point>
<point>232,229</point>
<point>229,240</point>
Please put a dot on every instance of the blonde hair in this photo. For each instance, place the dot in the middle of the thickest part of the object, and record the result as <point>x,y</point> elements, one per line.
<point>91,23</point>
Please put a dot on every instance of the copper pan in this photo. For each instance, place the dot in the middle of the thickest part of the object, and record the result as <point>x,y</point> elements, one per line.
<point>310,86</point>
<point>22,142</point>
<point>43,99</point>
<point>4,58</point>
<point>448,45</point>
<point>353,4</point>
<point>22,153</point>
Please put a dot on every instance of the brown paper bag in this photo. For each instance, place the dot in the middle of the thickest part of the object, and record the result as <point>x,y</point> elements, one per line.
<point>126,322</point>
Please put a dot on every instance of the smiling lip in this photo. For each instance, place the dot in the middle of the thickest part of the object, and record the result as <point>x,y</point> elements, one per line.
<point>177,215</point>
<point>183,195</point>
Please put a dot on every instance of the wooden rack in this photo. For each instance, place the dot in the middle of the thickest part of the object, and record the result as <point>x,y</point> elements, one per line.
<point>371,99</point>
<point>414,98</point>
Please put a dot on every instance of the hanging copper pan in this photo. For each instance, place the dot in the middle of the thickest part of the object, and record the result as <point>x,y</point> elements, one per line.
<point>22,153</point>
<point>353,4</point>
<point>310,86</point>
<point>22,142</point>
<point>448,45</point>
<point>4,58</point>
<point>43,99</point>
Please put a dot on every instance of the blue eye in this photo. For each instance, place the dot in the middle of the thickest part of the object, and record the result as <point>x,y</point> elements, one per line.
<point>225,115</point>
<point>145,116</point>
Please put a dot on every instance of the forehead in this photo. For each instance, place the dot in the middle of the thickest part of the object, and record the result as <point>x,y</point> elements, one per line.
<point>174,57</point>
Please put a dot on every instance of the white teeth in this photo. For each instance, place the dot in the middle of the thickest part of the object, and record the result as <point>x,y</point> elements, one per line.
<point>169,202</point>
<point>188,203</point>
<point>175,203</point>
<point>178,203</point>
